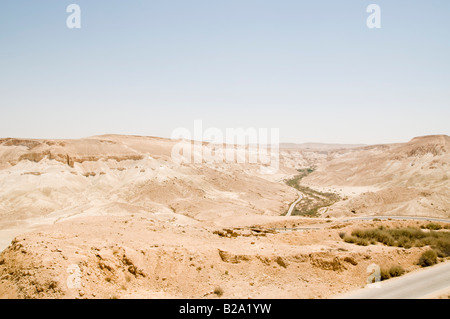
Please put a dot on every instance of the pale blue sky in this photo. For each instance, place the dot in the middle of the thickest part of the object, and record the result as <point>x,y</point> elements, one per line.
<point>311,68</point>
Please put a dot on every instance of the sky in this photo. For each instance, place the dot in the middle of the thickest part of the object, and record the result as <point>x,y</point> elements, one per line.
<point>312,69</point>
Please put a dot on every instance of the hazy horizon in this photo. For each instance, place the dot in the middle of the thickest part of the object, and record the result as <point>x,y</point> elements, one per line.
<point>312,69</point>
<point>281,143</point>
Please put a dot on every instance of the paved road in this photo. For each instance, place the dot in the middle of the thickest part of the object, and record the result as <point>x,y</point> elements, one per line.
<point>443,220</point>
<point>291,208</point>
<point>418,284</point>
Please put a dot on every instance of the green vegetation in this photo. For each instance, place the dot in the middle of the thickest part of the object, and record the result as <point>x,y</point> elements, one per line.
<point>312,200</point>
<point>356,240</point>
<point>305,171</point>
<point>406,238</point>
<point>394,271</point>
<point>428,258</point>
<point>432,226</point>
<point>295,181</point>
<point>384,274</point>
<point>218,291</point>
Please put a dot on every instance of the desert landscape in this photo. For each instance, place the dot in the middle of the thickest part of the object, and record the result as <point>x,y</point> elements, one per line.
<point>222,152</point>
<point>134,224</point>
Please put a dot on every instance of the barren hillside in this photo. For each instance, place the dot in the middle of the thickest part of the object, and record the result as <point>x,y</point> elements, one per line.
<point>132,223</point>
<point>43,181</point>
<point>404,179</point>
<point>144,256</point>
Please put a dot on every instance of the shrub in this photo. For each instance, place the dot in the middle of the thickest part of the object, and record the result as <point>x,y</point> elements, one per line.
<point>442,247</point>
<point>362,242</point>
<point>350,239</point>
<point>384,273</point>
<point>402,237</point>
<point>428,258</point>
<point>418,243</point>
<point>433,226</point>
<point>356,240</point>
<point>404,242</point>
<point>379,234</point>
<point>407,233</point>
<point>218,291</point>
<point>396,271</point>
<point>342,235</point>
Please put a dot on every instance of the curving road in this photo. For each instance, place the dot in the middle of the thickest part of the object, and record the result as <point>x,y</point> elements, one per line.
<point>431,219</point>
<point>291,208</point>
<point>424,283</point>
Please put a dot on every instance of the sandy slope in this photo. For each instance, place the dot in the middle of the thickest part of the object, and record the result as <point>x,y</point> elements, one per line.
<point>140,256</point>
<point>138,225</point>
<point>44,181</point>
<point>397,179</point>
